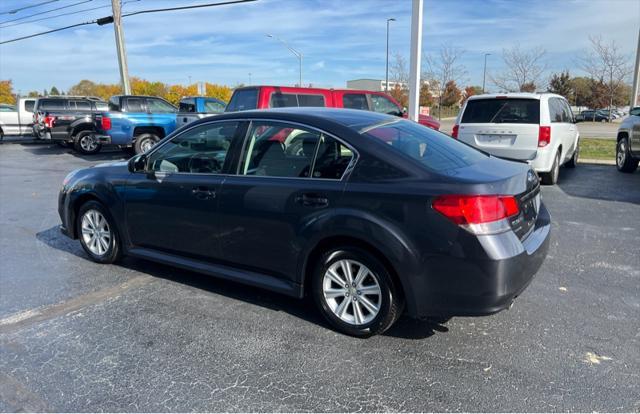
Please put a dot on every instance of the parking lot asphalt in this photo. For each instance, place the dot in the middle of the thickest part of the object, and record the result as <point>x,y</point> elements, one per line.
<point>137,336</point>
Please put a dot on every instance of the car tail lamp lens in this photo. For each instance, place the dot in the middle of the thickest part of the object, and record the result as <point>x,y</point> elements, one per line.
<point>105,123</point>
<point>544,136</point>
<point>454,132</point>
<point>49,121</point>
<point>474,211</point>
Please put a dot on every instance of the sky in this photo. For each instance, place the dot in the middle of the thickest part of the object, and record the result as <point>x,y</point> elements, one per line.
<point>339,39</point>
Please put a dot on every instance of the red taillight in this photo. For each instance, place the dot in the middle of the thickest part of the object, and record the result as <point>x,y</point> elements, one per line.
<point>476,209</point>
<point>544,136</point>
<point>454,132</point>
<point>49,121</point>
<point>105,123</point>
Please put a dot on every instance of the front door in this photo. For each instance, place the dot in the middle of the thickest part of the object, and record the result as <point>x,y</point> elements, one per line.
<point>288,178</point>
<point>173,206</point>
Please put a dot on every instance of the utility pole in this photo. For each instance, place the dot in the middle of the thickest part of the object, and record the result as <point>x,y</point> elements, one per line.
<point>636,76</point>
<point>122,53</point>
<point>416,59</point>
<point>484,72</point>
<point>386,79</point>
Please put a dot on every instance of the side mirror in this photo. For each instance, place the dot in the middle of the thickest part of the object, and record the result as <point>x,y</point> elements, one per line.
<point>404,110</point>
<point>137,163</point>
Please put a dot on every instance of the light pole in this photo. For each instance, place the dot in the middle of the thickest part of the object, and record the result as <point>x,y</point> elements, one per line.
<point>292,50</point>
<point>386,78</point>
<point>484,72</point>
<point>249,78</point>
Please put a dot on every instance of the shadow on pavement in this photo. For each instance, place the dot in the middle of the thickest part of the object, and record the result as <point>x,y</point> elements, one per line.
<point>601,182</point>
<point>107,154</point>
<point>304,309</point>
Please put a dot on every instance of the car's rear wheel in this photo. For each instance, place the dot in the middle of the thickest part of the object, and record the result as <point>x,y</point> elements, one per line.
<point>85,143</point>
<point>624,161</point>
<point>573,162</point>
<point>98,233</point>
<point>145,142</point>
<point>355,292</point>
<point>551,177</point>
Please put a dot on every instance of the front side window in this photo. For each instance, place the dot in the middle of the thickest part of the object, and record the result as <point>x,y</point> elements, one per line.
<point>214,107</point>
<point>201,150</point>
<point>159,106</point>
<point>355,101</point>
<point>502,110</point>
<point>434,150</point>
<point>384,105</point>
<point>243,100</point>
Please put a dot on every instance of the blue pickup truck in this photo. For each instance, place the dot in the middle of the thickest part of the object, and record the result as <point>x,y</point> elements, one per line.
<point>138,121</point>
<point>192,108</point>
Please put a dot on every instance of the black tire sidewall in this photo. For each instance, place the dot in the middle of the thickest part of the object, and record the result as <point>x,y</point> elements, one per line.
<point>144,137</point>
<point>113,253</point>
<point>384,319</point>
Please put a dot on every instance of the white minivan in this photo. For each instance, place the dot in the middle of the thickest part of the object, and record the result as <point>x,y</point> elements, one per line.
<point>538,128</point>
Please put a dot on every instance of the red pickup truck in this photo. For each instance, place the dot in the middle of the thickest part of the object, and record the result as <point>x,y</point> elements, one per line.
<point>263,97</point>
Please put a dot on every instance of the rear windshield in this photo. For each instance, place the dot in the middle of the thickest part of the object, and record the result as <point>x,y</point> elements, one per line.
<point>50,104</point>
<point>502,110</point>
<point>436,151</point>
<point>281,100</point>
<point>243,100</point>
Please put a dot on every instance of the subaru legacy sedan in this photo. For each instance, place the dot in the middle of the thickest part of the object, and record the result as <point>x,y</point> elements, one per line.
<point>368,215</point>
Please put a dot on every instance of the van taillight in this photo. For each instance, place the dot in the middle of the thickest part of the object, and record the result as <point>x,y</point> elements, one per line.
<point>544,136</point>
<point>105,123</point>
<point>454,132</point>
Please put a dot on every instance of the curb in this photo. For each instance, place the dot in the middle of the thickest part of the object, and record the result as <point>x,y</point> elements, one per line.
<point>596,162</point>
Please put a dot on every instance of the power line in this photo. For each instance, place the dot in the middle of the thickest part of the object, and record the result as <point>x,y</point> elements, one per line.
<point>14,11</point>
<point>64,14</point>
<point>106,19</point>
<point>45,12</point>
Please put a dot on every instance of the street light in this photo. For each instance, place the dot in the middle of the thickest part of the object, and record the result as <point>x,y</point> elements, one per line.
<point>292,50</point>
<point>484,73</point>
<point>386,78</point>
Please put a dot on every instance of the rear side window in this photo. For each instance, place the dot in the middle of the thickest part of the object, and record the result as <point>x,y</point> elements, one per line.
<point>434,150</point>
<point>355,101</point>
<point>282,100</point>
<point>51,104</point>
<point>28,105</point>
<point>187,106</point>
<point>114,104</point>
<point>502,110</point>
<point>80,105</point>
<point>243,100</point>
<point>100,106</point>
<point>135,105</point>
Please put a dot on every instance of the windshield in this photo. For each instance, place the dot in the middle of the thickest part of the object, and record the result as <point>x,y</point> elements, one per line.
<point>502,110</point>
<point>435,150</point>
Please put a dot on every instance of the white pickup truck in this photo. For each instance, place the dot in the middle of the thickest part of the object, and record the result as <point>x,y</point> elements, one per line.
<point>17,119</point>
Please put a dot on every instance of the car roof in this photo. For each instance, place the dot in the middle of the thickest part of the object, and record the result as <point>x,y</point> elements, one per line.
<point>516,95</point>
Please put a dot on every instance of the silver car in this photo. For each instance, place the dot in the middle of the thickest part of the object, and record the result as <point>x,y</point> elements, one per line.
<point>628,147</point>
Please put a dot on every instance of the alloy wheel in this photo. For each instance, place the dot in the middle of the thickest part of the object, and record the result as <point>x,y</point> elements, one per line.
<point>88,143</point>
<point>352,292</point>
<point>622,153</point>
<point>96,233</point>
<point>147,145</point>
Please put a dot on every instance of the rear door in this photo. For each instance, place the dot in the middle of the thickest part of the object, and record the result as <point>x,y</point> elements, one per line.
<point>502,126</point>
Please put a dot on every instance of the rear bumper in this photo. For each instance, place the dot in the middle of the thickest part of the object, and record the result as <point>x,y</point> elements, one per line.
<point>455,286</point>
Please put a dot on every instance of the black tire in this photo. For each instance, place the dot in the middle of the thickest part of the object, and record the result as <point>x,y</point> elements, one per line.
<point>624,160</point>
<point>390,298</point>
<point>573,162</point>
<point>143,141</point>
<point>113,251</point>
<point>84,142</point>
<point>551,177</point>
<point>1,135</point>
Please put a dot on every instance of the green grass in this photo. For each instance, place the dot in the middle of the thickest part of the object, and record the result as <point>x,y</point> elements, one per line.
<point>597,149</point>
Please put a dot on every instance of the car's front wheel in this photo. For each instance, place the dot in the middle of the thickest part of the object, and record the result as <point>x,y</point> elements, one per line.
<point>624,161</point>
<point>98,233</point>
<point>355,292</point>
<point>85,143</point>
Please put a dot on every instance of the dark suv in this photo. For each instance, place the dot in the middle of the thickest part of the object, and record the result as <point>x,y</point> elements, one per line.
<point>67,119</point>
<point>366,214</point>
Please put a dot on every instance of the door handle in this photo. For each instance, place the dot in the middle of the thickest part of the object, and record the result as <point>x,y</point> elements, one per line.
<point>203,193</point>
<point>312,200</point>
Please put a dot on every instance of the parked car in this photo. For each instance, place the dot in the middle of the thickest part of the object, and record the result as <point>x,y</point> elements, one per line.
<point>197,107</point>
<point>137,121</point>
<point>628,144</point>
<point>367,213</point>
<point>264,97</point>
<point>537,128</point>
<point>17,119</point>
<point>592,116</point>
<point>69,120</point>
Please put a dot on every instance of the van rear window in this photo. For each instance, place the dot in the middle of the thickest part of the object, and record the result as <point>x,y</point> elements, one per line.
<point>502,111</point>
<point>242,100</point>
